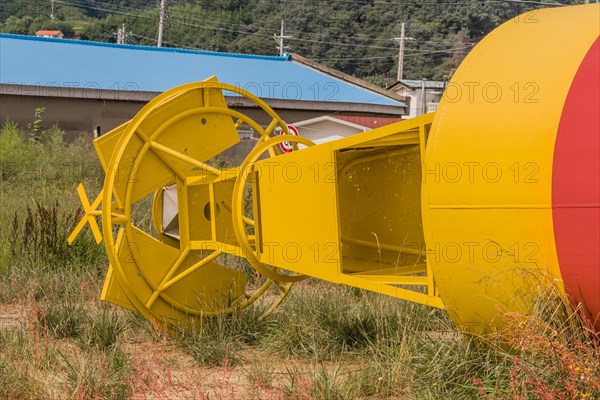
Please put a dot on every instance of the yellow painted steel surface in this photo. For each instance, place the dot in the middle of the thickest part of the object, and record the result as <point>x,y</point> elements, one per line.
<point>451,210</point>
<point>170,278</point>
<point>318,211</point>
<point>487,202</point>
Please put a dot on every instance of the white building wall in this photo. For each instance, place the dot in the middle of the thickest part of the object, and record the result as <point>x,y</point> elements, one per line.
<point>317,131</point>
<point>414,99</point>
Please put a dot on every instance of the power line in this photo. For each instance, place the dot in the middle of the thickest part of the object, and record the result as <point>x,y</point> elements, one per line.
<point>243,32</point>
<point>354,58</point>
<point>186,13</point>
<point>172,20</point>
<point>438,52</point>
<point>111,8</point>
<point>443,3</point>
<point>209,24</point>
<point>258,34</point>
<point>193,25</point>
<point>424,53</point>
<point>104,9</point>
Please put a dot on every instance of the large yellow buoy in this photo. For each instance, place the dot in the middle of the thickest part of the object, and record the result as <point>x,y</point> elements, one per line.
<point>512,186</point>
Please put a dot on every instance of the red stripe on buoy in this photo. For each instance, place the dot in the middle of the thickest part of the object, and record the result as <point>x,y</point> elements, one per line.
<point>576,187</point>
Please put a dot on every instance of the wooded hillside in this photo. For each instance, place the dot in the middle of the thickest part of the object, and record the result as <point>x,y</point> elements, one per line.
<point>354,36</point>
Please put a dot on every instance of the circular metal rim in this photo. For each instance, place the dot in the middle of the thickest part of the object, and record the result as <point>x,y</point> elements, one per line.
<point>129,132</point>
<point>238,206</point>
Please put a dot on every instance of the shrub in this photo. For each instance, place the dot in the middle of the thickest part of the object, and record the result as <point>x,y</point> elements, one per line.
<point>103,329</point>
<point>14,151</point>
<point>37,126</point>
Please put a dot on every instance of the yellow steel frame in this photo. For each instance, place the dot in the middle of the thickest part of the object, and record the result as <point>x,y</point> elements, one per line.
<point>358,211</point>
<point>120,286</point>
<point>169,270</point>
<point>308,219</point>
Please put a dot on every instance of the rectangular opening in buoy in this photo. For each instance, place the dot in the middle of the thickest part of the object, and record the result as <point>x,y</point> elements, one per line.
<point>379,197</point>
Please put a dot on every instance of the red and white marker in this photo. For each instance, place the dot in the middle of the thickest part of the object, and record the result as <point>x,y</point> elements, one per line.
<point>287,147</point>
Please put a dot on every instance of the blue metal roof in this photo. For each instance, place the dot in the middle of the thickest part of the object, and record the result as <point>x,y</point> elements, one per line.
<point>73,63</point>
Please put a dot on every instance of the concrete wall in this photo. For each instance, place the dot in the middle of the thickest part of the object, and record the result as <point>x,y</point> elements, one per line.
<point>80,116</point>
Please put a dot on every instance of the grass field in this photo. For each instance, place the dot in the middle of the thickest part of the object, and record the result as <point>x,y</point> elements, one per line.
<point>58,341</point>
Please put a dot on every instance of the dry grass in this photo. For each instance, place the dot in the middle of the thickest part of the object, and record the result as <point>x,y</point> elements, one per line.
<point>325,341</point>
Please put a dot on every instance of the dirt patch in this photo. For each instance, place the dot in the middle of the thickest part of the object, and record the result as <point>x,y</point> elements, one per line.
<point>13,316</point>
<point>162,370</point>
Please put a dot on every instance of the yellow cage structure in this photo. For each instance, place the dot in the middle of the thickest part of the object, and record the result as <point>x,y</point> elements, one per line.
<point>467,209</point>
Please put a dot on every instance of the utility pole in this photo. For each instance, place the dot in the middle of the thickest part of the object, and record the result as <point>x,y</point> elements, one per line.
<point>400,41</point>
<point>279,39</point>
<point>122,35</point>
<point>52,11</point>
<point>161,22</point>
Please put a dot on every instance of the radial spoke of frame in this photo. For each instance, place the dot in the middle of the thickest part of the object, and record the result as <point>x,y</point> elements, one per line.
<point>158,154</point>
<point>183,157</point>
<point>282,287</point>
<point>118,219</point>
<point>271,127</point>
<point>142,135</point>
<point>192,269</point>
<point>268,132</point>
<point>270,149</point>
<point>247,220</point>
<point>182,256</point>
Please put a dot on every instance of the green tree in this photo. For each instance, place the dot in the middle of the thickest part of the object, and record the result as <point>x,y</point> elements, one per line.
<point>17,25</point>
